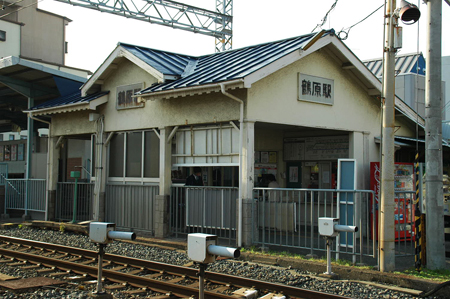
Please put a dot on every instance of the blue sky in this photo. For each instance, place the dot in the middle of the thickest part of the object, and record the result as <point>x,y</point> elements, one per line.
<point>93,35</point>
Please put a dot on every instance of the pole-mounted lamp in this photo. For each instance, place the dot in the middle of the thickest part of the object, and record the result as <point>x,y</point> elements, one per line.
<point>409,14</point>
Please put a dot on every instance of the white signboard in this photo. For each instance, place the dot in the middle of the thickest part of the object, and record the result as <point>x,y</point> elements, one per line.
<point>315,89</point>
<point>316,148</point>
<point>125,97</point>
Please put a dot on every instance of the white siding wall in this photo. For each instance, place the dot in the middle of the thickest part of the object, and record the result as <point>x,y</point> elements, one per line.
<point>10,47</point>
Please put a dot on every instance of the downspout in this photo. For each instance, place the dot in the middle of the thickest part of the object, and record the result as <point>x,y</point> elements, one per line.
<point>30,115</point>
<point>241,142</point>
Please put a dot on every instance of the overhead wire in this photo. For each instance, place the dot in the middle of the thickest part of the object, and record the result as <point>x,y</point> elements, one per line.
<point>10,4</point>
<point>325,17</point>
<point>23,7</point>
<point>347,30</point>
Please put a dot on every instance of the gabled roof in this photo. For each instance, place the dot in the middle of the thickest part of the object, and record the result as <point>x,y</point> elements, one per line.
<point>233,64</point>
<point>183,75</point>
<point>413,63</point>
<point>164,62</point>
<point>174,71</point>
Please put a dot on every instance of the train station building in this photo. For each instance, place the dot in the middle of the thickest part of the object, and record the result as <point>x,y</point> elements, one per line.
<point>142,122</point>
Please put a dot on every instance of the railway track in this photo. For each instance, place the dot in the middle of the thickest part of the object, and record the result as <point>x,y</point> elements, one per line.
<point>157,279</point>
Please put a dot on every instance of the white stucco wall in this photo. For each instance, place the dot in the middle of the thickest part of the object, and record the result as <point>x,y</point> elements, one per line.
<point>274,98</point>
<point>208,108</point>
<point>64,123</point>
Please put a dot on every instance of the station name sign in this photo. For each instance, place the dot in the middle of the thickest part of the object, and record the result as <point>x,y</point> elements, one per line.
<point>315,89</point>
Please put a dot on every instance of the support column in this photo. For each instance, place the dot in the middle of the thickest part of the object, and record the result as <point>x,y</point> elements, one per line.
<point>387,204</point>
<point>247,183</point>
<point>435,245</point>
<point>52,176</point>
<point>356,151</point>
<point>161,214</point>
<point>30,138</point>
<point>102,168</point>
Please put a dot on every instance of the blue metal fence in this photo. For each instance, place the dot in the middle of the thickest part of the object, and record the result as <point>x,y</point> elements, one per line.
<point>210,210</point>
<point>3,173</point>
<point>25,194</point>
<point>131,206</point>
<point>65,201</point>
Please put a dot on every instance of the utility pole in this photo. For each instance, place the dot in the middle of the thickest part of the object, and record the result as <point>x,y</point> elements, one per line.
<point>387,229</point>
<point>433,140</point>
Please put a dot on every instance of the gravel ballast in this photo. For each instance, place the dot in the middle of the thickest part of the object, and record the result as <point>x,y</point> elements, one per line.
<point>288,276</point>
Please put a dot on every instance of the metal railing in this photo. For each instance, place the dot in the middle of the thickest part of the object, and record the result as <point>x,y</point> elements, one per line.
<point>210,210</point>
<point>131,206</point>
<point>65,201</point>
<point>289,218</point>
<point>404,223</point>
<point>25,194</point>
<point>3,173</point>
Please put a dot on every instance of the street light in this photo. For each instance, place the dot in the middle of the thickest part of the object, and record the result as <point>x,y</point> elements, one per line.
<point>409,14</point>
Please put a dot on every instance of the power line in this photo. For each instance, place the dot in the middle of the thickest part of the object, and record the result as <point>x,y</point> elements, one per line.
<point>346,31</point>
<point>326,16</point>
<point>11,4</point>
<point>23,7</point>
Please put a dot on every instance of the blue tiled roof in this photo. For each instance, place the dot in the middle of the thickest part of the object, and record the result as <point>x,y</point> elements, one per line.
<point>165,62</point>
<point>220,67</point>
<point>73,98</point>
<point>404,64</point>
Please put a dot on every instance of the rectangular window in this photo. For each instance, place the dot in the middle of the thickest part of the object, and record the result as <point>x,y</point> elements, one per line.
<point>2,35</point>
<point>134,154</point>
<point>151,155</point>
<point>116,153</point>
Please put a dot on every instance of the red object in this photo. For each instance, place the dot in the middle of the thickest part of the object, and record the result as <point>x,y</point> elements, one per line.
<point>403,211</point>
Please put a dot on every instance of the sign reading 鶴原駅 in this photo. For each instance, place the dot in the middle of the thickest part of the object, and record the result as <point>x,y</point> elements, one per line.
<point>315,89</point>
<point>125,97</point>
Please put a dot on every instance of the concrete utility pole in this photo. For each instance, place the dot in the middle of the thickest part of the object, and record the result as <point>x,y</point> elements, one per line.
<point>387,229</point>
<point>433,128</point>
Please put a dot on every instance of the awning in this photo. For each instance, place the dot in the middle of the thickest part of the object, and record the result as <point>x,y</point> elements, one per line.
<point>69,103</point>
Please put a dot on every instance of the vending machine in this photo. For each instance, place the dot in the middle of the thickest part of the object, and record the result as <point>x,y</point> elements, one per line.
<point>404,189</point>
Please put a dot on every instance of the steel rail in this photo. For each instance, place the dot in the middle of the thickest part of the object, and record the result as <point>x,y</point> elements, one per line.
<point>156,266</point>
<point>116,276</point>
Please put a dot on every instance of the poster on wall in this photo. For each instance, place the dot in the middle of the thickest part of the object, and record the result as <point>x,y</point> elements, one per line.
<point>20,151</point>
<point>264,157</point>
<point>1,153</point>
<point>7,152</point>
<point>272,157</point>
<point>14,152</point>
<point>293,174</point>
<point>294,149</point>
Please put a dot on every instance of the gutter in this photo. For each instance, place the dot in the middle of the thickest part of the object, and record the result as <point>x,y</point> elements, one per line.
<point>44,110</point>
<point>175,92</point>
<point>241,142</point>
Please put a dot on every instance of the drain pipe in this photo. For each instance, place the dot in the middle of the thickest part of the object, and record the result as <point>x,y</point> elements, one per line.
<point>241,142</point>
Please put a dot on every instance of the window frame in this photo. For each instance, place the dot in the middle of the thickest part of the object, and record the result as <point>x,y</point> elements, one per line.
<point>141,179</point>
